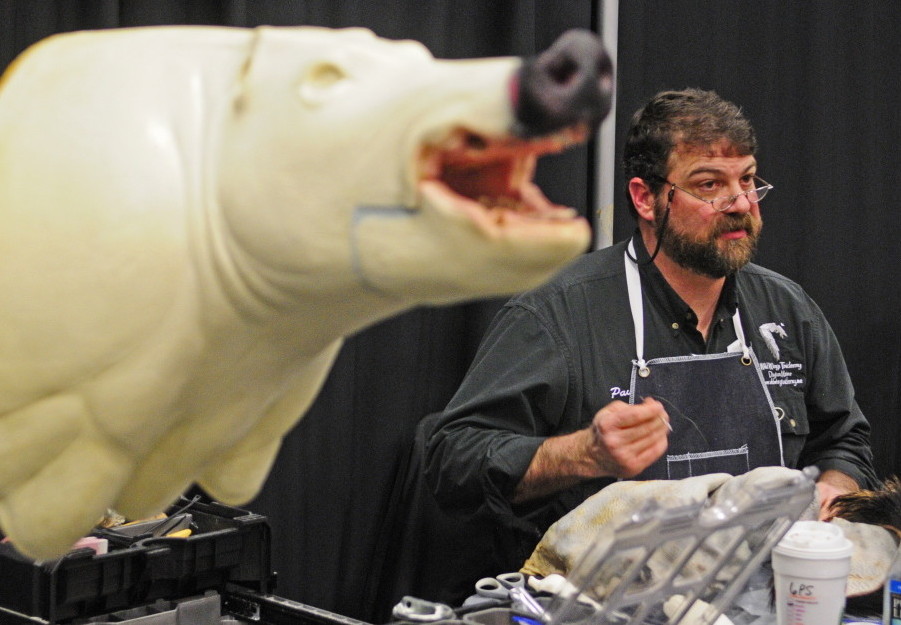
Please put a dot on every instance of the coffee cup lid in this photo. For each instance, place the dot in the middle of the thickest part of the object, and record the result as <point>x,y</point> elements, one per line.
<point>815,539</point>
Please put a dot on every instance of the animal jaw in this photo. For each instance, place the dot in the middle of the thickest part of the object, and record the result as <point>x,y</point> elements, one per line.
<point>478,206</point>
<point>491,179</point>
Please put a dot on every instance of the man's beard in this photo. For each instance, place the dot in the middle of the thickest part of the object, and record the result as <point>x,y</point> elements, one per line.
<point>708,255</point>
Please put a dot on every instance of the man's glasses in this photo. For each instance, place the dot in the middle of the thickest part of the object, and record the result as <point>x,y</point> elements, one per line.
<point>725,202</point>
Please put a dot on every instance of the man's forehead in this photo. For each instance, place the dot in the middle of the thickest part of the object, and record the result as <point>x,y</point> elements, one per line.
<point>714,155</point>
<point>723,147</point>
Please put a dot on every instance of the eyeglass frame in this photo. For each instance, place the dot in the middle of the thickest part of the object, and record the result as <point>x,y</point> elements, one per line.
<point>732,198</point>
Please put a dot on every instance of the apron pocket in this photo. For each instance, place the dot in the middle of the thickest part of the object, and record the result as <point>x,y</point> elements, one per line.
<point>732,461</point>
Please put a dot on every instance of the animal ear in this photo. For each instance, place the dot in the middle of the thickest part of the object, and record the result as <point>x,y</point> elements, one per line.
<point>307,58</point>
<point>321,81</point>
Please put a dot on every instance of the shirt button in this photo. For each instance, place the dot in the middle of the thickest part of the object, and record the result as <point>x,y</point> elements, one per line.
<point>675,326</point>
<point>792,423</point>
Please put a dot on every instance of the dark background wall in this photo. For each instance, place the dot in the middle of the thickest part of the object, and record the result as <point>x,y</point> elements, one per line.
<point>816,79</point>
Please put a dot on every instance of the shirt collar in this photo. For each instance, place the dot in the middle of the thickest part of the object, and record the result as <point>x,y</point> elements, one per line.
<point>664,296</point>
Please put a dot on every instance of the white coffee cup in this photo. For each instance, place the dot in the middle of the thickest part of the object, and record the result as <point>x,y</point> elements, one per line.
<point>811,565</point>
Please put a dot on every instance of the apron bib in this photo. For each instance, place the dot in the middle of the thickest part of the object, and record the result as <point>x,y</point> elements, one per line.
<point>721,413</point>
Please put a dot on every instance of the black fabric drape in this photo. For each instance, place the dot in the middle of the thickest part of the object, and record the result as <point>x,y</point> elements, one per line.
<point>816,79</point>
<point>817,82</point>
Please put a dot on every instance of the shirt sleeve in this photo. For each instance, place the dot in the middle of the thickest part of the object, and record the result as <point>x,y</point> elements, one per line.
<point>511,399</point>
<point>839,433</point>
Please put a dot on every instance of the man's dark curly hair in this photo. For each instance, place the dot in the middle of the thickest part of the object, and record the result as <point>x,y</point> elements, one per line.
<point>689,117</point>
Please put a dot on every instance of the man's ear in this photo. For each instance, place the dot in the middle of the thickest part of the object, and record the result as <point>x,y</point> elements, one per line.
<point>642,198</point>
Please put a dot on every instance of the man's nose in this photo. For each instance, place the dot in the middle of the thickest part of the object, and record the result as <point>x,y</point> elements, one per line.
<point>741,203</point>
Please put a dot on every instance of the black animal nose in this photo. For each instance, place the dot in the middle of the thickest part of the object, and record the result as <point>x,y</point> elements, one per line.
<point>569,83</point>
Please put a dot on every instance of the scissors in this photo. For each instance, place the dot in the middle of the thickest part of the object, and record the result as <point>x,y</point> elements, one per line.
<point>510,586</point>
<point>499,587</point>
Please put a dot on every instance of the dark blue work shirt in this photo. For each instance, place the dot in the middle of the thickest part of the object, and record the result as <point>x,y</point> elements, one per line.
<point>555,355</point>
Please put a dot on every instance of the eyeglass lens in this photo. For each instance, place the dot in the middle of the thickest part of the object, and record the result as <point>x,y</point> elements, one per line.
<point>726,201</point>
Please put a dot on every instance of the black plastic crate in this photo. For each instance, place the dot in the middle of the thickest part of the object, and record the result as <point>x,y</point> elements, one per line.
<point>200,610</point>
<point>228,545</point>
<point>77,584</point>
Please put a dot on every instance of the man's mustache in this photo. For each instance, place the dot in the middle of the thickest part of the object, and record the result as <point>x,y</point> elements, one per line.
<point>734,221</point>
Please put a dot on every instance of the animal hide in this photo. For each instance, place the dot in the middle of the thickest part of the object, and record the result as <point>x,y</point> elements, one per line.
<point>870,519</point>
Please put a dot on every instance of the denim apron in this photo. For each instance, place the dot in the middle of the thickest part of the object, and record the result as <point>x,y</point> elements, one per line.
<point>722,416</point>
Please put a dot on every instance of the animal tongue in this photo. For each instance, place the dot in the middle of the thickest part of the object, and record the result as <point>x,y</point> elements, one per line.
<point>497,174</point>
<point>481,180</point>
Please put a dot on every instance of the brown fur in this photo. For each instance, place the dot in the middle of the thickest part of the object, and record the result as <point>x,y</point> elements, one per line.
<point>877,507</point>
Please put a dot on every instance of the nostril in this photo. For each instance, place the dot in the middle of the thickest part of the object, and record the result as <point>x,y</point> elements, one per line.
<point>564,71</point>
<point>475,142</point>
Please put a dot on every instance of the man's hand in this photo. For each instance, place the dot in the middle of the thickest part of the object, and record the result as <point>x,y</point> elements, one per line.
<point>628,439</point>
<point>831,484</point>
<point>621,441</point>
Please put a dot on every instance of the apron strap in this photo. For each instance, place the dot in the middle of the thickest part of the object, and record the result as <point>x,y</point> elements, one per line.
<point>740,333</point>
<point>633,283</point>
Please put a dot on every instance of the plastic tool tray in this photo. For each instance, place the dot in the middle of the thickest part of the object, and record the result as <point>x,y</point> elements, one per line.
<point>702,554</point>
<point>225,545</point>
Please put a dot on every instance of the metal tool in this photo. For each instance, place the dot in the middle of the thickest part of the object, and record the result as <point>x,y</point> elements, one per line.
<point>499,587</point>
<point>421,611</point>
<point>525,602</point>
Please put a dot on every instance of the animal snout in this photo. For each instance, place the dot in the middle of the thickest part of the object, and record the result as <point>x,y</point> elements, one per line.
<point>570,83</point>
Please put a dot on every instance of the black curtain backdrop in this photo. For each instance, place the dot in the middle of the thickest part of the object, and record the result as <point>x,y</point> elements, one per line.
<point>816,79</point>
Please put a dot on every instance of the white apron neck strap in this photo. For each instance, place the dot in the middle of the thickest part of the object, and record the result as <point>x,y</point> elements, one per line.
<point>633,283</point>
<point>740,333</point>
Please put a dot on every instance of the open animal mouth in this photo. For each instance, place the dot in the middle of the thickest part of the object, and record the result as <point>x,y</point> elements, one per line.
<point>490,180</point>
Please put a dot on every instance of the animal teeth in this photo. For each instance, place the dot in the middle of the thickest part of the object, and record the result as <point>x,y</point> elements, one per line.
<point>504,203</point>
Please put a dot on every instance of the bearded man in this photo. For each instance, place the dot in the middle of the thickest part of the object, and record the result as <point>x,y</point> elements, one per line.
<point>661,357</point>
